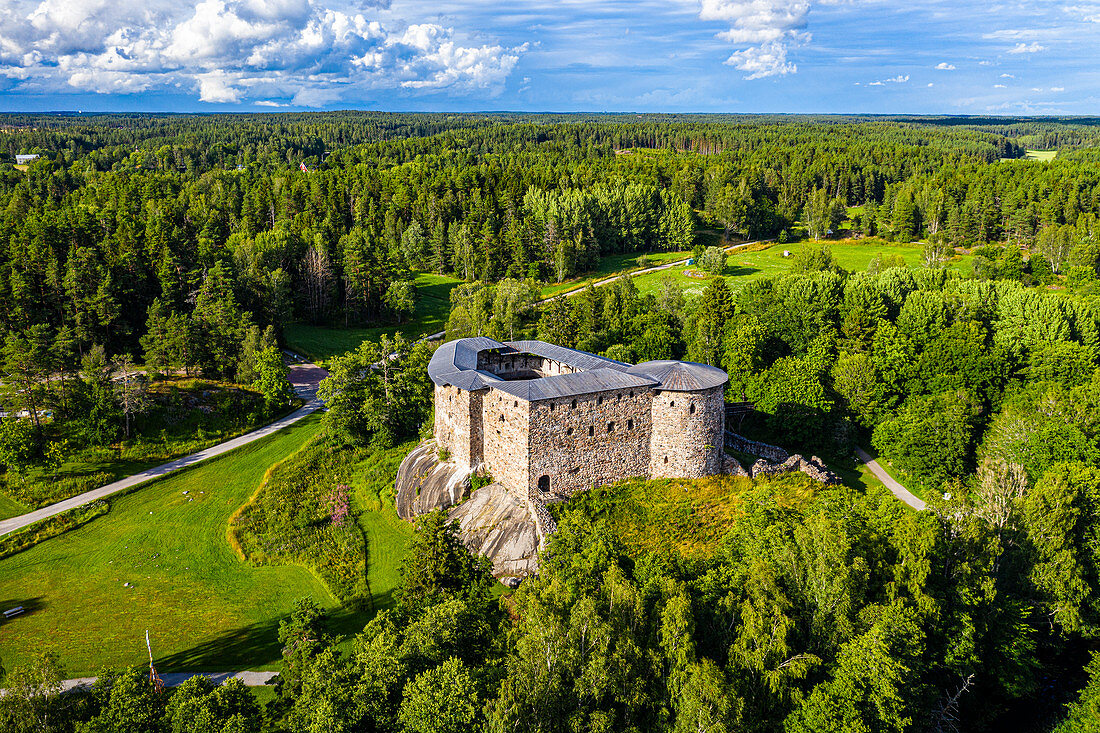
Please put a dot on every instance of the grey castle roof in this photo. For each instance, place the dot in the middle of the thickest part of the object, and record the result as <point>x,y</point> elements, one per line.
<point>455,363</point>
<point>681,376</point>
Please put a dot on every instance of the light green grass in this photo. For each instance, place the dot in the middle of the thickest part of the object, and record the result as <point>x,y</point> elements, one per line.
<point>745,267</point>
<point>612,264</point>
<point>204,609</point>
<point>433,305</point>
<point>1043,155</point>
<point>10,507</point>
<point>388,536</point>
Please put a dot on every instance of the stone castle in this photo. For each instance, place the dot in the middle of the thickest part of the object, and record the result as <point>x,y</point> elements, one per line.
<point>547,421</point>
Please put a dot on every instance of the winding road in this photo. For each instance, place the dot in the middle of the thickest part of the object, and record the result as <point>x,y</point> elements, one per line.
<point>304,376</point>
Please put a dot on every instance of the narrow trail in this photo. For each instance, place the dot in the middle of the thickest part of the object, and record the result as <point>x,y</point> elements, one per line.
<point>888,481</point>
<point>304,376</point>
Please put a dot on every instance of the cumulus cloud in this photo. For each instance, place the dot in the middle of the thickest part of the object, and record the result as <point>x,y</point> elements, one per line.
<point>899,79</point>
<point>999,86</point>
<point>1008,76</point>
<point>944,66</point>
<point>1033,47</point>
<point>767,28</point>
<point>229,51</point>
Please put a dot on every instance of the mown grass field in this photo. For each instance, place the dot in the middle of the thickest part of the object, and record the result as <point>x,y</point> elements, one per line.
<point>611,264</point>
<point>433,305</point>
<point>204,609</point>
<point>1044,155</point>
<point>744,267</point>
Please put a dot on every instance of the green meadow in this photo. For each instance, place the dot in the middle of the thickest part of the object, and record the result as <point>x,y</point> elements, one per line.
<point>745,266</point>
<point>204,609</point>
<point>433,305</point>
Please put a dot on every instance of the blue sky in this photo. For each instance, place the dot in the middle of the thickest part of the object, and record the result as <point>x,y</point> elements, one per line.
<point>836,56</point>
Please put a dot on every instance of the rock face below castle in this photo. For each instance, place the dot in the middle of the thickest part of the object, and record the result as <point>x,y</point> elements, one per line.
<point>547,421</point>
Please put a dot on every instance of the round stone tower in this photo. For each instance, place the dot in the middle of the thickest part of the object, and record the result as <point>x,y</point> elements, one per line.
<point>688,414</point>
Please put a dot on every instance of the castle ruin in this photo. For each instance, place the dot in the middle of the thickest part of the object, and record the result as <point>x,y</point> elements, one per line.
<point>548,421</point>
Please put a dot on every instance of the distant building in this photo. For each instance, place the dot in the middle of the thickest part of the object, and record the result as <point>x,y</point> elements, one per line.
<point>27,158</point>
<point>548,421</point>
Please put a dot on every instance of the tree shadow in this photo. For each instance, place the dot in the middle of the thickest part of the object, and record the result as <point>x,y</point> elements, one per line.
<point>441,291</point>
<point>30,606</point>
<point>739,271</point>
<point>246,647</point>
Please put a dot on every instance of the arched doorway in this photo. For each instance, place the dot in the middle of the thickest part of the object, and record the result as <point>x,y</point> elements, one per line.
<point>544,484</point>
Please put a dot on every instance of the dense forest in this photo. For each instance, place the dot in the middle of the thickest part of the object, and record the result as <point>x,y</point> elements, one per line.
<point>190,243</point>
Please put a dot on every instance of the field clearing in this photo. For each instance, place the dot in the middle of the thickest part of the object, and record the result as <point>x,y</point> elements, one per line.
<point>204,609</point>
<point>745,267</point>
<point>433,306</point>
<point>1044,155</point>
<point>611,264</point>
<point>185,415</point>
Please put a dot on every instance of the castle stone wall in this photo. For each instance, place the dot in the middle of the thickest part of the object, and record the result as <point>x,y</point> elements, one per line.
<point>506,425</point>
<point>588,440</point>
<point>458,424</point>
<point>687,434</point>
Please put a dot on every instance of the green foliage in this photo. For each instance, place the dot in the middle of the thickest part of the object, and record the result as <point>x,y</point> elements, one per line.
<point>440,700</point>
<point>1083,713</point>
<point>439,566</point>
<point>373,397</point>
<point>930,437</point>
<point>272,379</point>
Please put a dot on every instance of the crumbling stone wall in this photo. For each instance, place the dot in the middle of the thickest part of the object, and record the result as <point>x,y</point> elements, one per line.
<point>687,433</point>
<point>741,444</point>
<point>588,440</point>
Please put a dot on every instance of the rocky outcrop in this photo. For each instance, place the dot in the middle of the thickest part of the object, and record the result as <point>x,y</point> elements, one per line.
<point>494,523</point>
<point>424,483</point>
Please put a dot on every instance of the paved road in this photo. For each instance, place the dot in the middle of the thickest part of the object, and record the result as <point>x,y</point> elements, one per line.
<point>175,679</point>
<point>304,376</point>
<point>895,488</point>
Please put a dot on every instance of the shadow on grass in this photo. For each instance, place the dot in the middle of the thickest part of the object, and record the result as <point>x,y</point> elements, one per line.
<point>257,645</point>
<point>739,271</point>
<point>30,607</point>
<point>247,647</point>
<point>439,291</point>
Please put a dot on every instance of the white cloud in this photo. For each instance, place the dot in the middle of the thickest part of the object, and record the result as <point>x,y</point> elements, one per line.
<point>1007,76</point>
<point>1034,47</point>
<point>1057,89</point>
<point>767,28</point>
<point>931,84</point>
<point>228,51</point>
<point>944,66</point>
<point>999,86</point>
<point>899,79</point>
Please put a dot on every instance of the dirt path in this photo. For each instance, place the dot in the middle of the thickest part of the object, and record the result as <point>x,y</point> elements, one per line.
<point>304,376</point>
<point>888,481</point>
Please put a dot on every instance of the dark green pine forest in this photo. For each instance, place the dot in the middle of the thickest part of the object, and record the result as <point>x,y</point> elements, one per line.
<point>189,247</point>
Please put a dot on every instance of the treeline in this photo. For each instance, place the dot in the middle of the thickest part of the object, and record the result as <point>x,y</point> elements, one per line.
<point>823,610</point>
